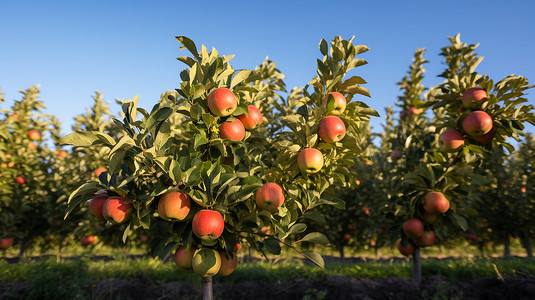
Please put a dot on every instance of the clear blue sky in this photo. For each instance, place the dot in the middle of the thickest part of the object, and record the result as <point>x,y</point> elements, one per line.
<point>125,48</point>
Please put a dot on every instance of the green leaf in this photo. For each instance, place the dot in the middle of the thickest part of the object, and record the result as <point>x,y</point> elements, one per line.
<point>86,138</point>
<point>240,77</point>
<point>315,237</point>
<point>324,48</point>
<point>315,257</point>
<point>461,221</point>
<point>315,216</point>
<point>272,245</point>
<point>297,228</point>
<point>188,44</point>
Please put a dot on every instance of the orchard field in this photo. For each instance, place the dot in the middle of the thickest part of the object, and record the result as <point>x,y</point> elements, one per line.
<point>233,187</point>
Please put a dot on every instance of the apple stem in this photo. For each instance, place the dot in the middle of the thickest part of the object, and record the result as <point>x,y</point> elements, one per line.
<point>207,291</point>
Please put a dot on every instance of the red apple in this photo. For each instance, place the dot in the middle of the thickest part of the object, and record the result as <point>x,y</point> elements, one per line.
<point>351,227</point>
<point>486,138</point>
<point>227,266</point>
<point>88,240</point>
<point>469,236</point>
<point>331,129</point>
<point>20,180</point>
<point>451,140</point>
<point>310,160</point>
<point>32,146</point>
<point>347,236</point>
<point>34,135</point>
<point>254,118</point>
<point>208,224</point>
<point>96,205</point>
<point>236,248</point>
<point>233,131</point>
<point>405,250</point>
<point>413,228</point>
<point>269,197</point>
<point>477,123</point>
<point>6,243</point>
<point>174,206</point>
<point>436,202</point>
<point>427,239</point>
<point>183,258</point>
<point>474,97</point>
<point>395,155</point>
<point>365,210</point>
<point>100,171</point>
<point>62,154</point>
<point>117,209</point>
<point>144,239</point>
<point>415,111</point>
<point>523,189</point>
<point>429,218</point>
<point>222,102</point>
<point>336,104</point>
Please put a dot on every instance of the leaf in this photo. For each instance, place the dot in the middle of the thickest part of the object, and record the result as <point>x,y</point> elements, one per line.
<point>86,138</point>
<point>297,228</point>
<point>159,115</point>
<point>272,245</point>
<point>315,216</point>
<point>315,257</point>
<point>461,221</point>
<point>240,77</point>
<point>315,237</point>
<point>188,44</point>
<point>324,48</point>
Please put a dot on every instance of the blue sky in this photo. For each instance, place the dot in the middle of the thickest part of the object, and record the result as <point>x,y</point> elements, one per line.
<point>125,48</point>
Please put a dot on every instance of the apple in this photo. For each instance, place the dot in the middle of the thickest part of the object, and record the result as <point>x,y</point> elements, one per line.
<point>469,236</point>
<point>410,112</point>
<point>117,209</point>
<point>11,164</point>
<point>3,165</point>
<point>62,154</point>
<point>222,102</point>
<point>32,146</point>
<point>184,258</point>
<point>331,129</point>
<point>486,138</point>
<point>523,189</point>
<point>144,239</point>
<point>269,197</point>
<point>34,135</point>
<point>395,155</point>
<point>477,123</point>
<point>436,202</point>
<point>415,111</point>
<point>14,117</point>
<point>451,140</point>
<point>89,240</point>
<point>474,97</point>
<point>310,160</point>
<point>206,262</point>
<point>234,131</point>
<point>208,224</point>
<point>100,171</point>
<point>409,250</point>
<point>96,205</point>
<point>347,236</point>
<point>253,119</point>
<point>227,266</point>
<point>413,228</point>
<point>266,230</point>
<point>365,210</point>
<point>336,104</point>
<point>427,239</point>
<point>236,248</point>
<point>429,218</point>
<point>6,243</point>
<point>20,180</point>
<point>351,227</point>
<point>174,206</point>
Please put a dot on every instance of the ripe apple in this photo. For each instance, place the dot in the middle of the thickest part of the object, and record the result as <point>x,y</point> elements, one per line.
<point>234,131</point>
<point>365,210</point>
<point>486,138</point>
<point>32,146</point>
<point>336,104</point>
<point>174,206</point>
<point>100,171</point>
<point>409,250</point>
<point>477,123</point>
<point>206,262</point>
<point>20,180</point>
<point>469,236</point>
<point>269,197</point>
<point>347,236</point>
<point>6,243</point>
<point>88,240</point>
<point>34,135</point>
<point>436,202</point>
<point>184,258</point>
<point>144,239</point>
<point>429,218</point>
<point>427,239</point>
<point>474,97</point>
<point>331,129</point>
<point>227,266</point>
<point>96,205</point>
<point>254,118</point>
<point>395,155</point>
<point>3,165</point>
<point>351,227</point>
<point>523,189</point>
<point>222,102</point>
<point>413,228</point>
<point>451,140</point>
<point>310,160</point>
<point>14,117</point>
<point>62,154</point>
<point>236,248</point>
<point>117,209</point>
<point>208,224</point>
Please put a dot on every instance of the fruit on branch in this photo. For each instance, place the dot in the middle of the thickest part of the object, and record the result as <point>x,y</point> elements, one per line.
<point>236,248</point>
<point>427,239</point>
<point>436,202</point>
<point>96,205</point>
<point>222,102</point>
<point>184,258</point>
<point>62,154</point>
<point>407,251</point>
<point>254,118</point>
<point>117,209</point>
<point>99,171</point>
<point>413,228</point>
<point>336,104</point>
<point>469,236</point>
<point>20,180</point>
<point>88,240</point>
<point>395,155</point>
<point>365,210</point>
<point>451,140</point>
<point>331,129</point>
<point>474,97</point>
<point>6,243</point>
<point>208,224</point>
<point>32,146</point>
<point>34,135</point>
<point>269,197</point>
<point>206,262</point>
<point>486,138</point>
<point>227,266</point>
<point>144,239</point>
<point>410,112</point>
<point>234,131</point>
<point>347,236</point>
<point>174,206</point>
<point>477,123</point>
<point>310,160</point>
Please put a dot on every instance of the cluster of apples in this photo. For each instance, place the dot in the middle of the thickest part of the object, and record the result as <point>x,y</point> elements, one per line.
<point>477,124</point>
<point>115,209</point>
<point>331,130</point>
<point>206,261</point>
<point>435,203</point>
<point>222,102</point>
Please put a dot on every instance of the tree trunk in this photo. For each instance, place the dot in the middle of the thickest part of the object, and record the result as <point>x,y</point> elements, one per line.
<point>341,251</point>
<point>417,266</point>
<point>23,246</point>
<point>207,291</point>
<point>526,243</point>
<point>481,249</point>
<point>377,251</point>
<point>506,247</point>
